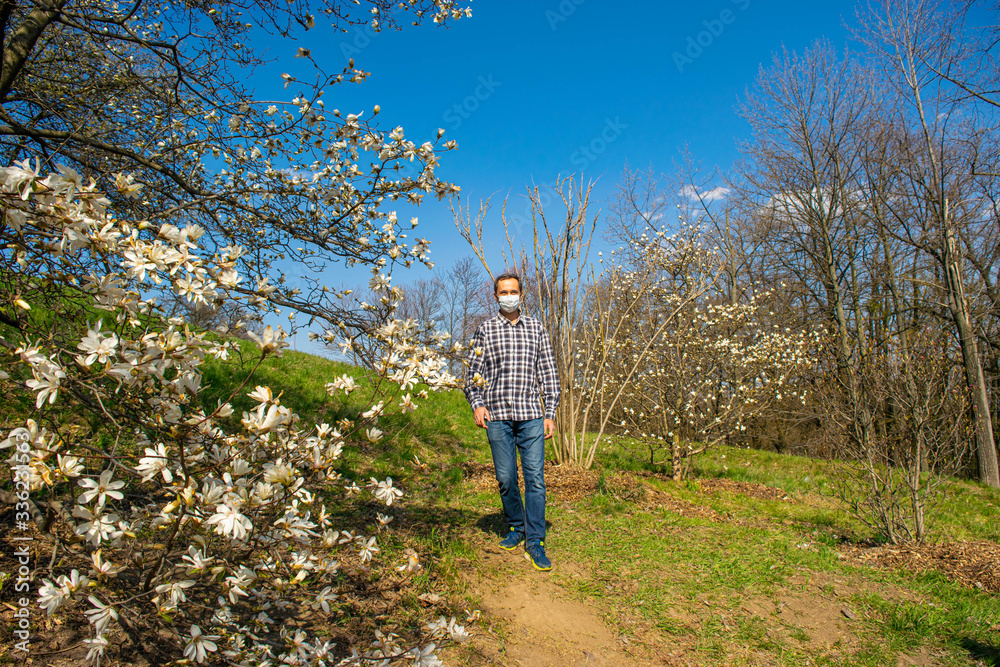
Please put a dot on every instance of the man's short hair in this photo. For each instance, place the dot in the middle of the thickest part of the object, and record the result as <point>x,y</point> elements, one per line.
<point>506,276</point>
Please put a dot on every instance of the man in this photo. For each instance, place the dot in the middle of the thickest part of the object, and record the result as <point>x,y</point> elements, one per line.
<point>512,385</point>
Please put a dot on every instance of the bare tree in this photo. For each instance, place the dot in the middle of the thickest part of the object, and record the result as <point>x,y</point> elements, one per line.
<point>423,301</point>
<point>890,484</point>
<point>919,43</point>
<point>557,264</point>
<point>799,182</point>
<point>469,298</point>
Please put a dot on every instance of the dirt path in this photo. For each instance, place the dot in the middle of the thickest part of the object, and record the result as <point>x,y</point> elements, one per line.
<point>540,625</point>
<point>532,620</point>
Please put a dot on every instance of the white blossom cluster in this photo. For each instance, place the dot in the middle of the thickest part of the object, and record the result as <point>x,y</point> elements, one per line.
<point>711,373</point>
<point>288,180</point>
<point>681,368</point>
<point>208,535</point>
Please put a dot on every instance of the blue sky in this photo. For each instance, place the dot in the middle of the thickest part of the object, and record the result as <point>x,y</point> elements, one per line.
<point>530,90</point>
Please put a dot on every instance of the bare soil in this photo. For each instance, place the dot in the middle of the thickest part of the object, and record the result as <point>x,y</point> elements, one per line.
<point>973,564</point>
<point>539,625</point>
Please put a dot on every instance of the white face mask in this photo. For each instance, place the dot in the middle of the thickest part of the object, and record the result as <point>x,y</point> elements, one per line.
<point>509,302</point>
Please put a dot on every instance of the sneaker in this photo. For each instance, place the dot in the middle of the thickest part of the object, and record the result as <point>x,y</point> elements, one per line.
<point>536,554</point>
<point>513,539</point>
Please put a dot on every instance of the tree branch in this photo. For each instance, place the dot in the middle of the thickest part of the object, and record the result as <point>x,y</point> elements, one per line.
<point>15,52</point>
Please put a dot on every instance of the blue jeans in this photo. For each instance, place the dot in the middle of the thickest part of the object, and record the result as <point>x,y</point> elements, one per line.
<point>508,438</point>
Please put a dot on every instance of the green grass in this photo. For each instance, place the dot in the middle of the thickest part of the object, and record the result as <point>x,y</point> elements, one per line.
<point>664,566</point>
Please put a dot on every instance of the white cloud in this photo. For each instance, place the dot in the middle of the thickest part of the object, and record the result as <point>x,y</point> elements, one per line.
<point>708,196</point>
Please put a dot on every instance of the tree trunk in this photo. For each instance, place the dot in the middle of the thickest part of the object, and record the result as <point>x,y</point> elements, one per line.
<point>18,47</point>
<point>986,451</point>
<point>678,470</point>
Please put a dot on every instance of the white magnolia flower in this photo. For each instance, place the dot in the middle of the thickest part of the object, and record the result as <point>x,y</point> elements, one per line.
<point>230,278</point>
<point>268,417</point>
<point>69,466</point>
<point>199,645</point>
<point>101,567</point>
<point>379,282</point>
<point>101,489</point>
<point>238,582</point>
<point>368,550</point>
<point>302,648</point>
<point>261,394</point>
<point>270,340</point>
<point>385,491</point>
<point>279,473</point>
<point>230,522</point>
<point>98,347</point>
<point>101,615</point>
<point>374,411</point>
<point>407,404</point>
<point>97,527</point>
<point>96,647</point>
<point>51,597</point>
<point>458,632</point>
<point>323,599</point>
<point>75,584</point>
<point>294,526</point>
<point>197,561</point>
<point>412,564</point>
<point>154,463</point>
<point>175,590</point>
<point>46,383</point>
<point>239,468</point>
<point>425,657</point>
<point>345,382</point>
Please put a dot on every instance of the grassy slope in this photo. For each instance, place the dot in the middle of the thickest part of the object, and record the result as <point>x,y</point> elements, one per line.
<point>681,575</point>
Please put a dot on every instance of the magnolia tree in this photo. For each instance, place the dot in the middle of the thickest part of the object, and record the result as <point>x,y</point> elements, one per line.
<point>607,357</point>
<point>717,368</point>
<point>692,370</point>
<point>181,530</point>
<point>159,90</point>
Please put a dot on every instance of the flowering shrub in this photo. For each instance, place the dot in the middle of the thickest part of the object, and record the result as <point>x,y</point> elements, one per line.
<point>673,365</point>
<point>178,528</point>
<point>717,367</point>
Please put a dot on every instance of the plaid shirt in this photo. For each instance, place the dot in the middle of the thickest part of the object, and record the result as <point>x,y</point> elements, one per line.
<point>512,369</point>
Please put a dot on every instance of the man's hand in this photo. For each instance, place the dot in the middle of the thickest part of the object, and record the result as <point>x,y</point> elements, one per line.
<point>481,415</point>
<point>550,428</point>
